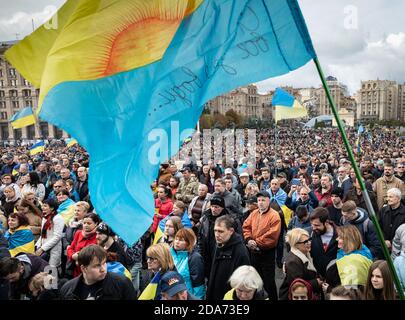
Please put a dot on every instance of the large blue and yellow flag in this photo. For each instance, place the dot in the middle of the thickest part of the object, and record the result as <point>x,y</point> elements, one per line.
<point>22,118</point>
<point>20,240</point>
<point>37,148</point>
<point>136,74</point>
<point>286,106</point>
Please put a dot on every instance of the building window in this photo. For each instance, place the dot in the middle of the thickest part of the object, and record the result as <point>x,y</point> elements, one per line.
<point>13,93</point>
<point>27,83</point>
<point>1,83</point>
<point>15,104</point>
<point>28,103</point>
<point>2,104</point>
<point>1,73</point>
<point>12,72</point>
<point>2,94</point>
<point>3,115</point>
<point>13,83</point>
<point>26,93</point>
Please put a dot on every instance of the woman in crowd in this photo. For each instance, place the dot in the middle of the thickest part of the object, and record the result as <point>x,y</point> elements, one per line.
<point>82,239</point>
<point>172,225</point>
<point>19,235</point>
<point>246,284</point>
<point>10,201</point>
<point>189,263</point>
<point>49,245</point>
<point>213,175</point>
<point>353,258</point>
<point>33,184</point>
<point>380,283</point>
<point>298,262</point>
<point>179,210</point>
<point>33,214</point>
<point>163,206</point>
<point>173,185</point>
<point>159,261</point>
<point>76,223</point>
<point>300,290</point>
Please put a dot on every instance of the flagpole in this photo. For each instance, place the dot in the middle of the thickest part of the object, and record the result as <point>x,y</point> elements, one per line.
<point>360,180</point>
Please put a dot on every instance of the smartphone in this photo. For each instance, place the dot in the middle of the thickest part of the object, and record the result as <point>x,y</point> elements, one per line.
<point>295,182</point>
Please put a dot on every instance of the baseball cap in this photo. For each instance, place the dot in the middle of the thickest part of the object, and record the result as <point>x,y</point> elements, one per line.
<point>172,283</point>
<point>228,171</point>
<point>263,194</point>
<point>252,199</point>
<point>244,174</point>
<point>282,175</point>
<point>217,200</point>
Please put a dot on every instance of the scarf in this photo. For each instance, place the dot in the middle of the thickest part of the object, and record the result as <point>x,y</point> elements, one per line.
<point>48,224</point>
<point>305,258</point>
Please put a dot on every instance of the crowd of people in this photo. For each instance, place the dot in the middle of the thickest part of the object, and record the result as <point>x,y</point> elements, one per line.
<point>220,231</point>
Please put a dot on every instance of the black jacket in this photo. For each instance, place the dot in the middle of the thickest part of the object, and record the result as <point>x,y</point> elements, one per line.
<point>295,268</point>
<point>390,220</point>
<point>225,261</point>
<point>114,287</point>
<point>321,257</point>
<point>82,189</point>
<point>206,238</point>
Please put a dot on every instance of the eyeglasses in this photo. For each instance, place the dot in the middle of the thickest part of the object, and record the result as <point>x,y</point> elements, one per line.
<point>305,242</point>
<point>150,259</point>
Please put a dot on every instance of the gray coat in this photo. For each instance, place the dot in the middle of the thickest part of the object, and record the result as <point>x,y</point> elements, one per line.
<point>398,243</point>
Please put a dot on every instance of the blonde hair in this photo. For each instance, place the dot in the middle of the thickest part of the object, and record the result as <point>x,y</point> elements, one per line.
<point>247,277</point>
<point>161,252</point>
<point>293,236</point>
<point>351,238</point>
<point>84,205</point>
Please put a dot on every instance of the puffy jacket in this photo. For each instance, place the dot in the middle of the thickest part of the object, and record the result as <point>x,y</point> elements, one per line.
<point>398,243</point>
<point>164,210</point>
<point>264,228</point>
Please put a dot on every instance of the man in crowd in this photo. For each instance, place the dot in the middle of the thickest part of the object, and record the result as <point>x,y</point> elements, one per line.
<point>232,204</point>
<point>386,182</point>
<point>188,187</point>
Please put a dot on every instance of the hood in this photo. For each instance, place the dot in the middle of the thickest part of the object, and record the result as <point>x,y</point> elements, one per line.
<point>364,251</point>
<point>307,284</point>
<point>362,216</point>
<point>233,240</point>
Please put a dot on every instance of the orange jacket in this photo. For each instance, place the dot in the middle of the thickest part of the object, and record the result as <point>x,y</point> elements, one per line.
<point>263,228</point>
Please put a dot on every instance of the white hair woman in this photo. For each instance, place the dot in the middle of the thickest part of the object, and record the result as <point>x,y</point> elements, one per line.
<point>246,284</point>
<point>298,262</point>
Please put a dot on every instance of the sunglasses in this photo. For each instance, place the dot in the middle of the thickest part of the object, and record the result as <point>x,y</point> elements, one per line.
<point>305,242</point>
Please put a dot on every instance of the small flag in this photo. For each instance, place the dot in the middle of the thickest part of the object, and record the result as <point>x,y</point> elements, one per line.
<point>287,107</point>
<point>359,148</point>
<point>70,142</point>
<point>37,148</point>
<point>23,118</point>
<point>360,130</point>
<point>151,290</point>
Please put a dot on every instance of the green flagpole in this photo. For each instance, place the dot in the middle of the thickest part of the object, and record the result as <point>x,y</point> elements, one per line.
<point>360,179</point>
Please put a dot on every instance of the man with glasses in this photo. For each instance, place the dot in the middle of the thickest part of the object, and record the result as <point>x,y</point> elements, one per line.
<point>400,172</point>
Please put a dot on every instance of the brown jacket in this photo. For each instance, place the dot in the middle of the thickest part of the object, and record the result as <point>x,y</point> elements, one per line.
<point>381,186</point>
<point>264,228</point>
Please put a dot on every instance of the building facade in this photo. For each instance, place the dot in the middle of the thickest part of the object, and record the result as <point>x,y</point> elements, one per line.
<point>381,100</point>
<point>17,93</point>
<point>245,101</point>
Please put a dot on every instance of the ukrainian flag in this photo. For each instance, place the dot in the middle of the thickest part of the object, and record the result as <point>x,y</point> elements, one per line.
<point>23,118</point>
<point>158,235</point>
<point>286,106</point>
<point>37,148</point>
<point>20,240</point>
<point>129,69</point>
<point>117,267</point>
<point>70,142</point>
<point>150,292</point>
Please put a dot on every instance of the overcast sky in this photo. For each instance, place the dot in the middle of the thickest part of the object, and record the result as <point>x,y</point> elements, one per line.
<point>355,40</point>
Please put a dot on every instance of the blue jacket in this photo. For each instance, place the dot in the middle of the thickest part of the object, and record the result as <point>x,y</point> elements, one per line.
<point>296,223</point>
<point>191,268</point>
<point>310,204</point>
<point>185,220</point>
<point>399,264</point>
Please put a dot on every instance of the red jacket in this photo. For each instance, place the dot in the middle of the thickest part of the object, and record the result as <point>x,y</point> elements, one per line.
<point>78,243</point>
<point>164,209</point>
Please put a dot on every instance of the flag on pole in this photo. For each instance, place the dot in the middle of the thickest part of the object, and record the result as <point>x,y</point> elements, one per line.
<point>286,106</point>
<point>37,148</point>
<point>155,65</point>
<point>23,118</point>
<point>70,142</point>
